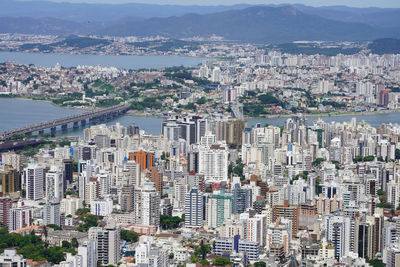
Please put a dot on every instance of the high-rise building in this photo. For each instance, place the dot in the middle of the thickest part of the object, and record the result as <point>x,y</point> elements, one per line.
<point>194,208</point>
<point>51,214</point>
<point>213,163</point>
<point>88,253</point>
<point>256,229</point>
<point>143,158</point>
<point>234,131</point>
<point>134,173</point>
<point>34,178</point>
<point>92,190</point>
<point>242,198</point>
<point>288,212</point>
<point>393,256</point>
<point>219,208</point>
<point>19,218</point>
<point>147,205</point>
<point>279,233</point>
<point>68,172</point>
<point>157,178</point>
<point>54,185</point>
<point>127,198</point>
<point>107,243</point>
<point>5,206</point>
<point>340,232</point>
<point>9,180</point>
<point>13,159</point>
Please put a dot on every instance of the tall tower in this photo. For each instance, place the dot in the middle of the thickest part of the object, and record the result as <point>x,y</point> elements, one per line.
<point>54,185</point>
<point>107,243</point>
<point>147,205</point>
<point>33,175</point>
<point>194,207</point>
<point>9,179</point>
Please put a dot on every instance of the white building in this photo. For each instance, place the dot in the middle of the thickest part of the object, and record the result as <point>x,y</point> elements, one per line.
<point>107,244</point>
<point>213,163</point>
<point>70,205</point>
<point>340,232</point>
<point>88,253</point>
<point>54,185</point>
<point>101,207</point>
<point>148,255</point>
<point>147,205</point>
<point>194,207</point>
<point>33,176</point>
<point>51,214</point>
<point>10,258</point>
<point>19,218</point>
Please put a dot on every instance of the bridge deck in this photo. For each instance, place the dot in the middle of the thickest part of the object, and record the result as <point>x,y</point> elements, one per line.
<point>62,121</point>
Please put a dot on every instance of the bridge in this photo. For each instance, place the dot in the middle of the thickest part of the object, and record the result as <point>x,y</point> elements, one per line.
<point>93,117</point>
<point>237,111</point>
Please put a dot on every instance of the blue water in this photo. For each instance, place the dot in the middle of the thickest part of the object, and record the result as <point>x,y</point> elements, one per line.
<point>374,119</point>
<point>122,62</point>
<point>15,113</point>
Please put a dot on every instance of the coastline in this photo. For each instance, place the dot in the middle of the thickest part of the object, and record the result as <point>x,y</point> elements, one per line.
<point>274,116</point>
<point>329,114</point>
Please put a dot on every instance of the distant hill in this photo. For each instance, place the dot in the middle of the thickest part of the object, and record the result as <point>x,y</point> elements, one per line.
<point>259,24</point>
<point>83,12</point>
<point>41,26</point>
<point>255,24</point>
<point>380,17</point>
<point>385,46</point>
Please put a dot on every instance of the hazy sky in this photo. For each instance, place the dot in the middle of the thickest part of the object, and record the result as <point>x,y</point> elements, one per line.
<point>354,3</point>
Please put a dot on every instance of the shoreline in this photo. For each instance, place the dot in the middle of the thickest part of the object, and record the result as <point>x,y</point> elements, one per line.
<point>274,116</point>
<point>330,114</point>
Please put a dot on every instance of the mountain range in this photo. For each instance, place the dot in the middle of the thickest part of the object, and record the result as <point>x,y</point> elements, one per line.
<point>259,24</point>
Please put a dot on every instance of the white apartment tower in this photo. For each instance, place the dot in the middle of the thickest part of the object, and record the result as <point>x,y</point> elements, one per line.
<point>33,176</point>
<point>213,163</point>
<point>194,208</point>
<point>54,185</point>
<point>147,205</point>
<point>107,244</point>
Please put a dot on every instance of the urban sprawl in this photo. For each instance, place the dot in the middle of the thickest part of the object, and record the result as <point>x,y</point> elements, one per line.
<point>209,190</point>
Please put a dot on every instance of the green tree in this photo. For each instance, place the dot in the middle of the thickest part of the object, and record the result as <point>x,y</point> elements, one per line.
<point>129,236</point>
<point>201,101</point>
<point>54,226</point>
<point>397,153</point>
<point>204,262</point>
<point>194,259</point>
<point>202,250</point>
<point>170,222</point>
<point>74,243</point>
<point>65,244</point>
<point>222,261</point>
<point>318,161</point>
<point>376,263</point>
<point>260,264</point>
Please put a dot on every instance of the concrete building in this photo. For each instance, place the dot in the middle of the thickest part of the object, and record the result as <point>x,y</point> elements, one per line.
<point>34,178</point>
<point>194,208</point>
<point>10,258</point>
<point>107,244</point>
<point>147,205</point>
